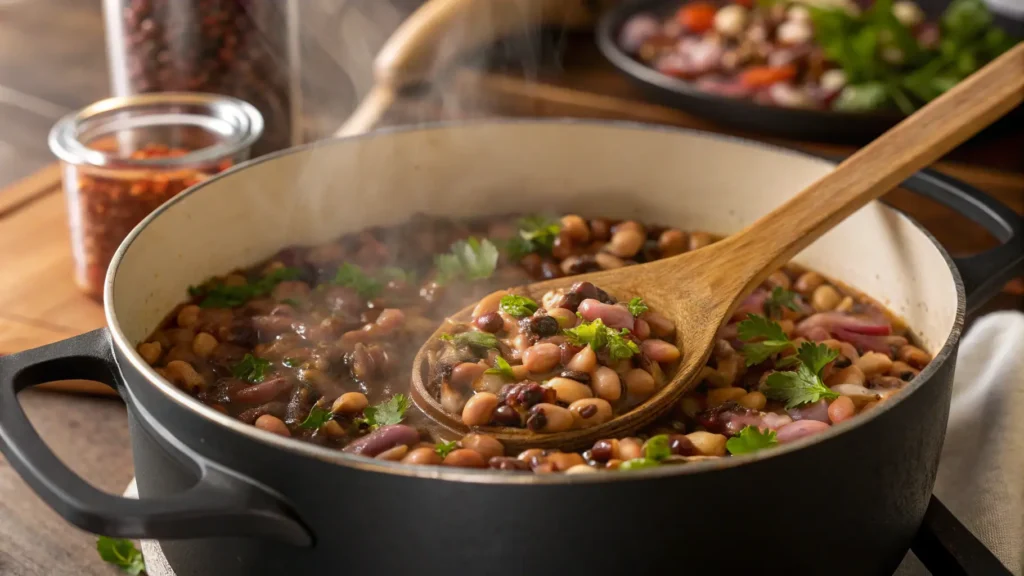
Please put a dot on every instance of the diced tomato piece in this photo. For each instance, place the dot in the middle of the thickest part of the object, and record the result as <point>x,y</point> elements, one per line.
<point>762,76</point>
<point>697,17</point>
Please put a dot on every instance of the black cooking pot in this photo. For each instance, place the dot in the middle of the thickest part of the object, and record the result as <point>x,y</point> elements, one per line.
<point>227,498</point>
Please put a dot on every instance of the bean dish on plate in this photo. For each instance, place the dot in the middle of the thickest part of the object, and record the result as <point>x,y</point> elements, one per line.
<point>317,342</point>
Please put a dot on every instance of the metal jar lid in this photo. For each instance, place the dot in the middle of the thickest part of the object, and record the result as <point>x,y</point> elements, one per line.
<point>237,124</point>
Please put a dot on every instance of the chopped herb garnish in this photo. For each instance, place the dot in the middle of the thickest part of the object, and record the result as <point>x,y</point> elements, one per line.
<point>518,306</point>
<point>657,448</point>
<point>502,367</point>
<point>816,356</point>
<point>796,387</point>
<point>470,259</point>
<point>443,449</point>
<point>478,340</point>
<point>121,553</point>
<point>223,296</point>
<point>540,231</point>
<point>773,339</point>
<point>352,276</point>
<point>638,464</point>
<point>386,413</point>
<point>516,248</point>
<point>637,306</point>
<point>780,298</point>
<point>251,369</point>
<point>317,417</point>
<point>598,336</point>
<point>750,439</point>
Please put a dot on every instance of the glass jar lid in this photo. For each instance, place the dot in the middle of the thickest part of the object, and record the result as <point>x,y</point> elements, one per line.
<point>235,123</point>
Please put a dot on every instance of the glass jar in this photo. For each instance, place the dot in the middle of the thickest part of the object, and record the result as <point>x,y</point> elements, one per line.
<point>242,48</point>
<point>123,157</point>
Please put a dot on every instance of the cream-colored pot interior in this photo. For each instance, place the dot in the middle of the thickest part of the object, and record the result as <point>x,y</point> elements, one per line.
<point>684,179</point>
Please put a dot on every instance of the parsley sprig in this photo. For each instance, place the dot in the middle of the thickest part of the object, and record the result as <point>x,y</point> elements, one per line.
<point>637,306</point>
<point>750,439</point>
<point>656,449</point>
<point>537,233</point>
<point>470,259</point>
<point>318,416</point>
<point>391,411</point>
<point>251,369</point>
<point>771,339</point>
<point>121,553</point>
<point>215,295</point>
<point>443,449</point>
<point>780,298</point>
<point>481,341</point>
<point>598,336</point>
<point>518,306</point>
<point>502,367</point>
<point>352,276</point>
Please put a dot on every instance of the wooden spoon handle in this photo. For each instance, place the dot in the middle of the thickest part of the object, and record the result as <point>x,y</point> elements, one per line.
<point>916,142</point>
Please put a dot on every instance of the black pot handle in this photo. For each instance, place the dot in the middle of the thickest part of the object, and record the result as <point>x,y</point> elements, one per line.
<point>947,548</point>
<point>986,273</point>
<point>220,504</point>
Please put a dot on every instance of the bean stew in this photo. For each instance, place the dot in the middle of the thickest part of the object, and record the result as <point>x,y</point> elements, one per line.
<point>317,342</point>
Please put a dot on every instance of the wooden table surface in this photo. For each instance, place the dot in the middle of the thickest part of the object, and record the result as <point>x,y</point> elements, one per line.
<point>52,60</point>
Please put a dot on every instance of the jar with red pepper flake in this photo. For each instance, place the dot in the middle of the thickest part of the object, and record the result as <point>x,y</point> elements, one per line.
<point>124,157</point>
<point>247,49</point>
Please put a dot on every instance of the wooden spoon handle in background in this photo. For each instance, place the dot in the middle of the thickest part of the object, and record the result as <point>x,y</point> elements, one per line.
<point>438,31</point>
<point>936,129</point>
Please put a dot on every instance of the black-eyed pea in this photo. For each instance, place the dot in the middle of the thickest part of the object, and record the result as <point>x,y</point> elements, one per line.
<point>582,469</point>
<point>730,368</point>
<point>479,409</point>
<point>707,443</point>
<point>564,316</point>
<point>700,240</point>
<point>423,456</point>
<point>849,375</point>
<point>608,261</point>
<point>589,412</point>
<point>691,405</point>
<point>913,356</point>
<point>660,350</point>
<point>583,361</point>
<point>464,373</point>
<point>203,345</point>
<point>188,316</point>
<point>857,393</point>
<point>184,375</point>
<point>779,279</point>
<point>873,364</point>
<point>393,454</point>
<point>808,282</point>
<point>630,448</point>
<point>562,461</point>
<point>465,458</point>
<point>719,396</point>
<point>825,298</point>
<point>487,446</point>
<point>542,357</point>
<point>606,384</point>
<point>626,242</point>
<point>903,371</point>
<point>672,242</point>
<point>350,403</point>
<point>639,383</point>
<point>489,303</point>
<point>272,424</point>
<point>332,429</point>
<point>752,400</point>
<point>568,390</point>
<point>546,417</point>
<point>150,352</point>
<point>576,227</point>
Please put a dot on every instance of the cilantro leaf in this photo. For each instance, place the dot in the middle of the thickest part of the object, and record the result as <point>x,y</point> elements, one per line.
<point>540,231</point>
<point>749,440</point>
<point>780,298</point>
<point>121,553</point>
<point>318,416</point>
<point>637,306</point>
<point>251,369</point>
<point>801,386</point>
<point>638,464</point>
<point>598,336</point>
<point>516,248</point>
<point>470,259</point>
<point>816,356</point>
<point>443,449</point>
<point>773,339</point>
<point>352,276</point>
<point>657,448</point>
<point>386,413</point>
<point>518,306</point>
<point>502,367</point>
<point>223,296</point>
<point>473,339</point>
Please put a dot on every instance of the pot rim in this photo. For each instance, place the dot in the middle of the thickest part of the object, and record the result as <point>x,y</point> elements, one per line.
<point>490,476</point>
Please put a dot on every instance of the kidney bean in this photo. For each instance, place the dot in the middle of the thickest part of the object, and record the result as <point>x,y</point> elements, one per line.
<point>613,316</point>
<point>491,322</point>
<point>422,456</point>
<point>465,458</point>
<point>506,416</point>
<point>604,450</point>
<point>383,438</point>
<point>814,411</point>
<point>681,445</point>
<point>659,350</point>
<point>800,429</point>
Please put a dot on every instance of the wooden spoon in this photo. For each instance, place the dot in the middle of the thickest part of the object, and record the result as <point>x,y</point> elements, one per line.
<point>700,290</point>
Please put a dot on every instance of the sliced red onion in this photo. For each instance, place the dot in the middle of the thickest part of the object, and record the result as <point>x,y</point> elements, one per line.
<point>800,429</point>
<point>753,304</point>
<point>833,321</point>
<point>814,411</point>
<point>613,316</point>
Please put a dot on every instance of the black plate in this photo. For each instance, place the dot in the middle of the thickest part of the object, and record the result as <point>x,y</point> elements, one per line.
<point>742,114</point>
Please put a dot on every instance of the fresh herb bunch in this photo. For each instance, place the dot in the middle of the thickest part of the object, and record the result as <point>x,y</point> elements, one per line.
<point>251,369</point>
<point>885,65</point>
<point>470,259</point>
<point>121,553</point>
<point>352,276</point>
<point>800,386</point>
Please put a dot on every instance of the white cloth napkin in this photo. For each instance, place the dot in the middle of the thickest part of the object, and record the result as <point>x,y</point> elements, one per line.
<point>981,474</point>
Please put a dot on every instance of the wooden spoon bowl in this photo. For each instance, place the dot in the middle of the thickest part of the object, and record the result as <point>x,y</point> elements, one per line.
<point>700,290</point>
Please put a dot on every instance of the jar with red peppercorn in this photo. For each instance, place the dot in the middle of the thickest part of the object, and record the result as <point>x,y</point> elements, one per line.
<point>123,157</point>
<point>247,49</point>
